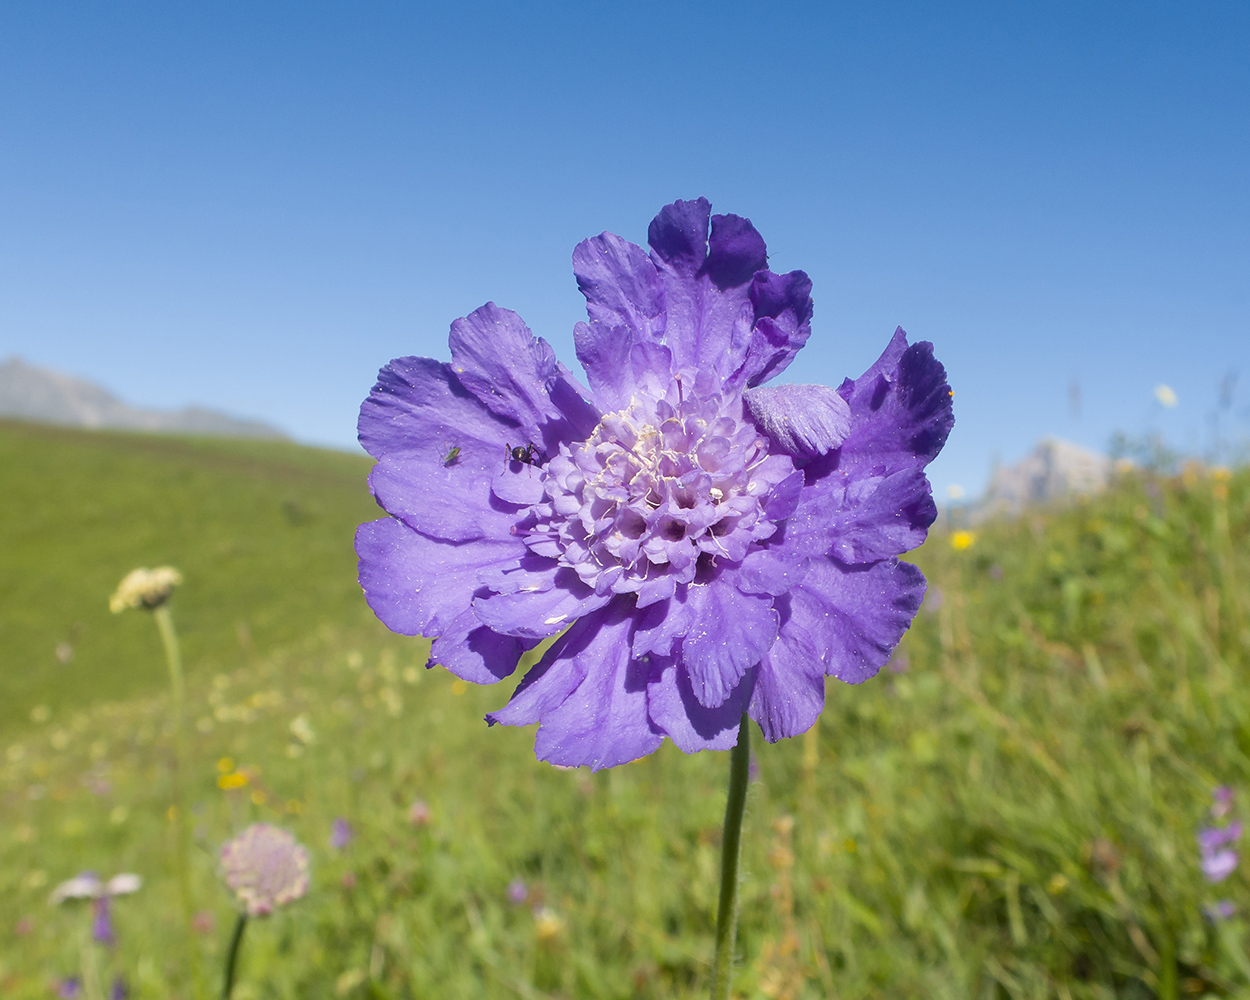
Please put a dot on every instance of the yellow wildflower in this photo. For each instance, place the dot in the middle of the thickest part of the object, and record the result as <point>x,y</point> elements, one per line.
<point>961,540</point>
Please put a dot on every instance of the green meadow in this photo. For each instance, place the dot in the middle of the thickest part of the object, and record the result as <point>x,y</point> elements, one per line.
<point>1008,811</point>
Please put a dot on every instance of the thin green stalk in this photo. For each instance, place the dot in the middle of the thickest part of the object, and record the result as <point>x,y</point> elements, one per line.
<point>731,843</point>
<point>90,967</point>
<point>232,956</point>
<point>182,831</point>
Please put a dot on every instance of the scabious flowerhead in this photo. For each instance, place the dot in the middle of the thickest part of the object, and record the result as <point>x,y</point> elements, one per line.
<point>145,588</point>
<point>265,867</point>
<point>706,543</point>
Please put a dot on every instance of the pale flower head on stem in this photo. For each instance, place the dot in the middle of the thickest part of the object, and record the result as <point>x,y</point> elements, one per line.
<point>145,588</point>
<point>265,867</point>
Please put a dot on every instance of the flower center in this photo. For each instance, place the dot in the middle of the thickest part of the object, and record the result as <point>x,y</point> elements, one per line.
<point>660,492</point>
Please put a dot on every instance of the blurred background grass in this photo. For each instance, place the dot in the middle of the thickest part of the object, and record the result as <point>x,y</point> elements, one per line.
<point>1008,811</point>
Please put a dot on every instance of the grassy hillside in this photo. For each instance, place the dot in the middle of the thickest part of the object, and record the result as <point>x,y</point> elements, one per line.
<point>261,531</point>
<point>1009,811</point>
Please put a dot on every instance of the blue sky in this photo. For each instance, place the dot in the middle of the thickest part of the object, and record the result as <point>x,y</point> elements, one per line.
<point>254,206</point>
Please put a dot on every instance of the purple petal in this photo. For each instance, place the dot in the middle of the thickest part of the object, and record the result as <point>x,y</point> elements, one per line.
<point>420,586</point>
<point>790,685</point>
<point>621,285</point>
<point>735,251</point>
<point>544,688</point>
<point>451,502</point>
<point>673,708</point>
<point>855,615</point>
<point>419,407</point>
<point>678,235</point>
<point>548,602</point>
<point>618,364</point>
<point>510,371</point>
<point>661,624</point>
<point>438,449</point>
<point>863,520</point>
<point>769,571</point>
<point>708,324</point>
<point>869,500</point>
<point>728,633</point>
<point>518,483</point>
<point>901,411</point>
<point>589,695</point>
<point>782,305</point>
<point>801,420</point>
<point>474,653</point>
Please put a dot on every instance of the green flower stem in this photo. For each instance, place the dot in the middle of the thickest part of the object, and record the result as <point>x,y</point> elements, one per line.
<point>182,831</point>
<point>232,955</point>
<point>90,967</point>
<point>731,843</point>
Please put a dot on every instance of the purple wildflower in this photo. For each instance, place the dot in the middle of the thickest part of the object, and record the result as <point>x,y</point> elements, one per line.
<point>1218,865</point>
<point>119,990</point>
<point>341,833</point>
<point>1218,861</point>
<point>518,892</point>
<point>69,988</point>
<point>707,544</point>
<point>1210,838</point>
<point>1221,910</point>
<point>102,922</point>
<point>265,867</point>
<point>1223,801</point>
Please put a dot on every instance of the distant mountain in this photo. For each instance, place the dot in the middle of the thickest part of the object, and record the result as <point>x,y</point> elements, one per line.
<point>30,393</point>
<point>1054,470</point>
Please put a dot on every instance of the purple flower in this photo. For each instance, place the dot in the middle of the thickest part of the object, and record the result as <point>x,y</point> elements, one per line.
<point>1223,801</point>
<point>265,867</point>
<point>1218,861</point>
<point>1210,838</point>
<point>1221,910</point>
<point>341,833</point>
<point>518,892</point>
<point>119,990</point>
<point>1218,865</point>
<point>102,922</point>
<point>706,544</point>
<point>69,988</point>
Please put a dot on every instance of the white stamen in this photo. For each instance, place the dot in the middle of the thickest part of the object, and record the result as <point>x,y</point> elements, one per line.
<point>556,620</point>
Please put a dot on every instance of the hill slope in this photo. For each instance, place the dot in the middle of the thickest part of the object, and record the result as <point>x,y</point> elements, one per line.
<point>261,530</point>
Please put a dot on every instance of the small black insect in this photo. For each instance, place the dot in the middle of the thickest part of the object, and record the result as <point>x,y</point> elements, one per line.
<point>528,455</point>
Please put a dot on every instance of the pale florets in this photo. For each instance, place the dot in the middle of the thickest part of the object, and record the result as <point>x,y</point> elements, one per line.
<point>265,867</point>
<point>660,490</point>
<point>145,588</point>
